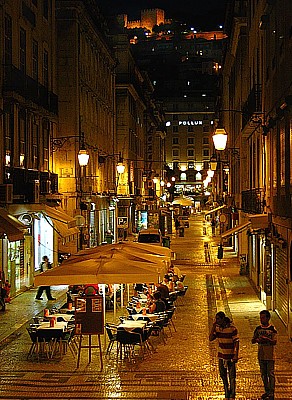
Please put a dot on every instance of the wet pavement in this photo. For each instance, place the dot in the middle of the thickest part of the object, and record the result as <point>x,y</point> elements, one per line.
<point>185,368</point>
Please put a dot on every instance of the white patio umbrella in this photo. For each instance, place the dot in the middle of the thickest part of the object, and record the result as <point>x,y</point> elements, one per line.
<point>184,201</point>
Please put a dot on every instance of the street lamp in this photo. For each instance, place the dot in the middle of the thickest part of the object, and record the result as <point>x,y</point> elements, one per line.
<point>83,157</point>
<point>220,139</point>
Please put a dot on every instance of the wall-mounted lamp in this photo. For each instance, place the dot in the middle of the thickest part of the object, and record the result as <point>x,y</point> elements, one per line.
<point>213,163</point>
<point>220,139</point>
<point>120,168</point>
<point>83,157</point>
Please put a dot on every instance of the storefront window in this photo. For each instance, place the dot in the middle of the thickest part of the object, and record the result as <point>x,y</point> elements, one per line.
<point>43,240</point>
<point>15,270</point>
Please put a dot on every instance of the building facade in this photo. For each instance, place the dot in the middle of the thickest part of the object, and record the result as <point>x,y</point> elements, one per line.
<point>257,100</point>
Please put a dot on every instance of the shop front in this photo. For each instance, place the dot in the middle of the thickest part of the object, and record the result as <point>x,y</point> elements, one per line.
<point>12,264</point>
<point>50,232</point>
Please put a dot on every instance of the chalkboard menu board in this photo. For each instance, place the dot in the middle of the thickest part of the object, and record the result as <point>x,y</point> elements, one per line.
<point>89,315</point>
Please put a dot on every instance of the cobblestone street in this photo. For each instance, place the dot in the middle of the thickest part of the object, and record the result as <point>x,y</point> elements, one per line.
<point>185,368</point>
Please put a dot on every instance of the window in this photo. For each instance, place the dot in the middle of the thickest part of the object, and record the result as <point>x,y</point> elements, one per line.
<point>205,128</point>
<point>205,153</point>
<point>8,40</point>
<point>175,129</point>
<point>8,129</point>
<point>175,140</point>
<point>22,50</point>
<point>46,9</point>
<point>205,140</point>
<point>46,69</point>
<point>35,62</point>
<point>191,140</point>
<point>45,142</point>
<point>175,117</point>
<point>175,153</point>
<point>190,153</point>
<point>35,146</point>
<point>22,138</point>
<point>190,128</point>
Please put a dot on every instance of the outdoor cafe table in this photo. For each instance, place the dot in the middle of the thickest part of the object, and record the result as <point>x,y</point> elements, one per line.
<point>50,336</point>
<point>65,317</point>
<point>151,317</point>
<point>129,325</point>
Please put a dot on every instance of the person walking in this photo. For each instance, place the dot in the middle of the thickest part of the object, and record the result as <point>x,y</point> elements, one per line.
<point>177,226</point>
<point>228,342</point>
<point>265,335</point>
<point>44,266</point>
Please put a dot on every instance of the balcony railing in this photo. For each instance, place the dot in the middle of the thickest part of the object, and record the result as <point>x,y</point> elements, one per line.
<point>16,81</point>
<point>253,105</point>
<point>252,201</point>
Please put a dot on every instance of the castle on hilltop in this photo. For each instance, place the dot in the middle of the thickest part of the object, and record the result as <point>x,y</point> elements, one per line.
<point>149,18</point>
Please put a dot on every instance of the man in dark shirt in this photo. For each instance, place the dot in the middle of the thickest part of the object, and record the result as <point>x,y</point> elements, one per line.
<point>266,337</point>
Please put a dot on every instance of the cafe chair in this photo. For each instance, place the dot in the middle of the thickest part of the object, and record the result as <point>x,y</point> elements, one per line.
<point>111,331</point>
<point>126,344</point>
<point>158,328</point>
<point>34,348</point>
<point>68,341</point>
<point>181,294</point>
<point>169,320</point>
<point>50,341</point>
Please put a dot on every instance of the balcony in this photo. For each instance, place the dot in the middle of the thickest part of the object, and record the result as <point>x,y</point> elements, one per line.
<point>22,84</point>
<point>253,105</point>
<point>252,201</point>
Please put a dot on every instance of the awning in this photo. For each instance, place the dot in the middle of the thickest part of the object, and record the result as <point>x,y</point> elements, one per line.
<point>236,229</point>
<point>214,210</point>
<point>10,226</point>
<point>259,221</point>
<point>63,224</point>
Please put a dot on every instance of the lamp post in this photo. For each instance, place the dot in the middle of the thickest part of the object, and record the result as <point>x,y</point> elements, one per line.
<point>220,141</point>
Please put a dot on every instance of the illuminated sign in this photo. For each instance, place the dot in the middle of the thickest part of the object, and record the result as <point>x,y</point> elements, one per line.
<point>190,122</point>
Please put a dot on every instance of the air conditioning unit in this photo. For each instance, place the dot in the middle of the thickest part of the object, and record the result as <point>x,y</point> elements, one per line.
<point>6,193</point>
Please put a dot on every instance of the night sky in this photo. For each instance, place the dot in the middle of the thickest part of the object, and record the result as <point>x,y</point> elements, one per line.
<point>202,14</point>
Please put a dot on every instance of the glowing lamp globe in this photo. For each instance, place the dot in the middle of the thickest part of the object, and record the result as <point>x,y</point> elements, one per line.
<point>220,139</point>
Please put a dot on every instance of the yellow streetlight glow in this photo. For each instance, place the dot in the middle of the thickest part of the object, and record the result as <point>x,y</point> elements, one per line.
<point>220,139</point>
<point>83,157</point>
<point>120,168</point>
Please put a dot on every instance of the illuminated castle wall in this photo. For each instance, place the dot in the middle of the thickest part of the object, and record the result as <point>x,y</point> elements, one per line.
<point>149,18</point>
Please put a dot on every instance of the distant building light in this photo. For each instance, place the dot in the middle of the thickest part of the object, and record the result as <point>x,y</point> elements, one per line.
<point>204,95</point>
<point>220,26</point>
<point>167,123</point>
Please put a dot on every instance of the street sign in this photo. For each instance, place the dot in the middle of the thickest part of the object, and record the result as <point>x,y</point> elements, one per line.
<point>222,218</point>
<point>122,222</point>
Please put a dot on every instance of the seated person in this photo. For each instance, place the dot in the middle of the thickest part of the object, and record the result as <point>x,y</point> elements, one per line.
<point>139,288</point>
<point>167,280</point>
<point>157,305</point>
<point>179,286</point>
<point>163,289</point>
<point>176,272</point>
